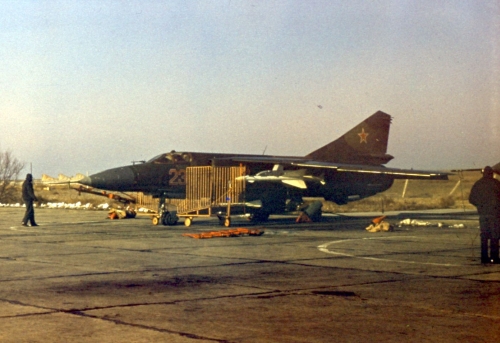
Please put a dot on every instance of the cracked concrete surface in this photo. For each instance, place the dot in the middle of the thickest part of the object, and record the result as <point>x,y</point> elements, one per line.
<point>81,277</point>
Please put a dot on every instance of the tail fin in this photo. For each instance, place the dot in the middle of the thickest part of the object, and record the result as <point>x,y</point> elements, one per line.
<point>366,143</point>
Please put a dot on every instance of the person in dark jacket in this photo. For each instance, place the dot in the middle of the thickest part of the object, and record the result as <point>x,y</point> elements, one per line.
<point>485,195</point>
<point>28,198</point>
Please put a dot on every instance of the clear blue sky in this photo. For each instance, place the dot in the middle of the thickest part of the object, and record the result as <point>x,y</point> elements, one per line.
<point>90,85</point>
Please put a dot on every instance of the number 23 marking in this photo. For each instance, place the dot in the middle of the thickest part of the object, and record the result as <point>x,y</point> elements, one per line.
<point>177,177</point>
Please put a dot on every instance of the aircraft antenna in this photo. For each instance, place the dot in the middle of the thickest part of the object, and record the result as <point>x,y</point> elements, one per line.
<point>264,152</point>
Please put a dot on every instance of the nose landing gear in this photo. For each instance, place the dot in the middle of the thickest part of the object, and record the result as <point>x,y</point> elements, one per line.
<point>164,216</point>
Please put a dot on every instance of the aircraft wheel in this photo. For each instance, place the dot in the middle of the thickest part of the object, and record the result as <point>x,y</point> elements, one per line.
<point>259,216</point>
<point>169,219</point>
<point>188,222</point>
<point>227,222</point>
<point>156,220</point>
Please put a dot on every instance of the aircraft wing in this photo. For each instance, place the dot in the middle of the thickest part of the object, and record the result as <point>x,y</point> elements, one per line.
<point>396,173</point>
<point>367,169</point>
<point>496,169</point>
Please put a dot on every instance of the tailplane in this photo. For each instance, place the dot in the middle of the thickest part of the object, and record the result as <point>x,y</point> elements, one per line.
<point>366,143</point>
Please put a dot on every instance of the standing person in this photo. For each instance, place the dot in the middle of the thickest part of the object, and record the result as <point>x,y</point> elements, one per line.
<point>485,195</point>
<point>28,198</point>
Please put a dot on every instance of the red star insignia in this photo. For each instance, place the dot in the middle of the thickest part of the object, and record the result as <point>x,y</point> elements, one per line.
<point>363,135</point>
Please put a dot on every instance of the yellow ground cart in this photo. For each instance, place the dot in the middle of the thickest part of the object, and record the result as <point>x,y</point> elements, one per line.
<point>209,190</point>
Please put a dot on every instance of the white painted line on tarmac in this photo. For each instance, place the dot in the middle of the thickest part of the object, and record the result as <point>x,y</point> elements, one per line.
<point>324,248</point>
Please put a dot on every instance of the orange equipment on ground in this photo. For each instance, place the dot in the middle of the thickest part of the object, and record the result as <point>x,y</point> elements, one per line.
<point>378,220</point>
<point>303,218</point>
<point>225,233</point>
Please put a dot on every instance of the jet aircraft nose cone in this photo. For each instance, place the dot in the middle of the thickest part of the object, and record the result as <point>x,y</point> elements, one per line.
<point>117,179</point>
<point>87,181</point>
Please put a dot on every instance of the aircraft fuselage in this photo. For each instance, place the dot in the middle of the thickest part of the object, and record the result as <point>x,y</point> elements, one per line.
<point>166,174</point>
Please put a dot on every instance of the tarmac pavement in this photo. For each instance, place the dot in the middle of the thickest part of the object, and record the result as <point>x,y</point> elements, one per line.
<point>84,278</point>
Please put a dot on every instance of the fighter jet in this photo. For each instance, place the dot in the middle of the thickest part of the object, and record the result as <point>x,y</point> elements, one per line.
<point>346,169</point>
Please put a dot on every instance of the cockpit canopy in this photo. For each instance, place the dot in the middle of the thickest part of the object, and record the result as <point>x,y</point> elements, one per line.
<point>172,157</point>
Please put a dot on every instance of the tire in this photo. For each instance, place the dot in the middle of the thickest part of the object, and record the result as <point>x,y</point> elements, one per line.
<point>259,216</point>
<point>169,219</point>
<point>156,220</point>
